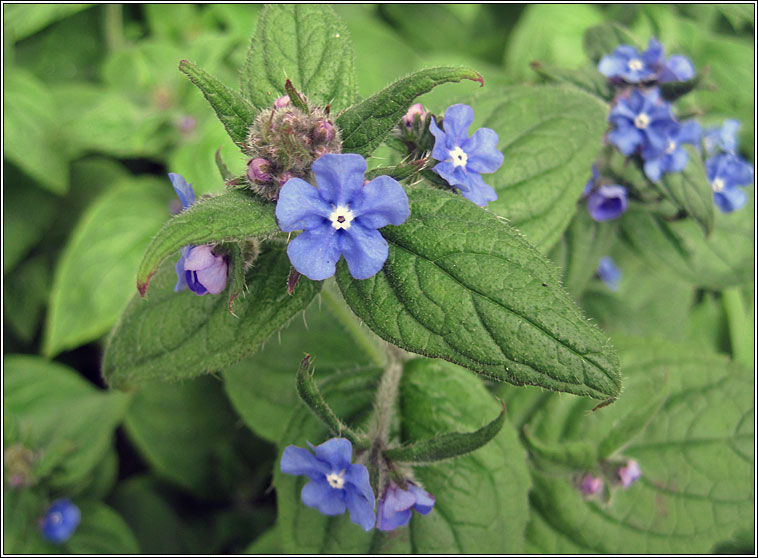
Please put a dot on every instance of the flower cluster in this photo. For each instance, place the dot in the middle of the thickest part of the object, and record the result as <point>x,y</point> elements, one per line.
<point>60,521</point>
<point>631,66</point>
<point>727,172</point>
<point>199,267</point>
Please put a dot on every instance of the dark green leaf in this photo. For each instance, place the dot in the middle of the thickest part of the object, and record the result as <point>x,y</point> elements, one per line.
<point>233,110</point>
<point>672,90</point>
<point>365,125</point>
<point>101,532</point>
<point>306,43</point>
<point>462,285</point>
<point>179,335</point>
<point>25,294</point>
<point>603,39</point>
<point>229,217</point>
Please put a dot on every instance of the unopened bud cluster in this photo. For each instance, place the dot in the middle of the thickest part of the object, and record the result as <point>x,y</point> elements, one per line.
<point>413,130</point>
<point>284,141</point>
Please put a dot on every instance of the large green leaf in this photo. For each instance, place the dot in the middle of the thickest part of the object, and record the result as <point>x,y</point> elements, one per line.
<point>102,531</point>
<point>306,43</point>
<point>173,335</point>
<point>550,136</point>
<point>365,125</point>
<point>94,279</point>
<point>462,285</point>
<point>22,20</point>
<point>480,497</point>
<point>228,217</point>
<point>696,456</point>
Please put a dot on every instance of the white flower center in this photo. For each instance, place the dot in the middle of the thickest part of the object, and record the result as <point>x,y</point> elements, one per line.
<point>671,148</point>
<point>55,518</point>
<point>635,64</point>
<point>642,121</point>
<point>341,217</point>
<point>336,480</point>
<point>458,156</point>
<point>717,185</point>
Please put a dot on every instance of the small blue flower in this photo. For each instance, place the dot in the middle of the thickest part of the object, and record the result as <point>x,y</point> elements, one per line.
<point>630,65</point>
<point>60,521</point>
<point>722,138</point>
<point>727,173</point>
<point>629,473</point>
<point>465,159</point>
<point>674,158</point>
<point>340,217</point>
<point>607,202</point>
<point>609,273</point>
<point>394,509</point>
<point>335,484</point>
<point>642,122</point>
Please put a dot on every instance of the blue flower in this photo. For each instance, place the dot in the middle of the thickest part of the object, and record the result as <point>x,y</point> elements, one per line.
<point>183,190</point>
<point>642,122</point>
<point>723,138</point>
<point>335,484</point>
<point>726,173</point>
<point>631,66</point>
<point>607,202</point>
<point>464,159</point>
<point>340,217</point>
<point>674,157</point>
<point>609,273</point>
<point>394,509</point>
<point>60,521</point>
<point>629,473</point>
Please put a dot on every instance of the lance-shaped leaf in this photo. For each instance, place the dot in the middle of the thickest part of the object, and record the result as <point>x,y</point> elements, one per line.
<point>179,335</point>
<point>230,217</point>
<point>462,285</point>
<point>690,190</point>
<point>447,445</point>
<point>365,125</point>
<point>233,110</point>
<point>307,43</point>
<point>600,40</point>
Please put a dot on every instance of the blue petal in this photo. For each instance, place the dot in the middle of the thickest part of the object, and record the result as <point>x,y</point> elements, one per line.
<point>677,68</point>
<point>361,509</point>
<point>728,135</point>
<point>449,172</point>
<point>301,206</point>
<point>609,273</point>
<point>441,142</point>
<point>338,452</point>
<point>60,521</point>
<point>730,199</point>
<point>607,202</point>
<point>194,285</point>
<point>626,52</point>
<point>181,280</point>
<point>612,66</point>
<point>315,252</point>
<point>690,132</point>
<point>339,176</point>
<point>214,278</point>
<point>654,169</point>
<point>457,120</point>
<point>365,250</point>
<point>388,520</point>
<point>300,461</point>
<point>712,166</point>
<point>320,495</point>
<point>677,161</point>
<point>483,155</point>
<point>741,172</point>
<point>357,476</point>
<point>476,190</point>
<point>382,202</point>
<point>424,500</point>
<point>654,54</point>
<point>183,190</point>
<point>626,138</point>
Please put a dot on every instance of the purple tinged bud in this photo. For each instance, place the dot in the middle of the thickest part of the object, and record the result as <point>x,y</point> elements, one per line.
<point>410,116</point>
<point>323,131</point>
<point>259,170</point>
<point>607,202</point>
<point>282,101</point>
<point>629,473</point>
<point>591,484</point>
<point>394,508</point>
<point>205,271</point>
<point>60,521</point>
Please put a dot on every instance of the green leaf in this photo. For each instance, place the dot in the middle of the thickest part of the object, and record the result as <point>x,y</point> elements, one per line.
<point>22,20</point>
<point>696,456</point>
<point>723,259</point>
<point>480,497</point>
<point>25,294</point>
<point>690,190</point>
<point>94,277</point>
<point>462,285</point>
<point>267,543</point>
<point>102,531</point>
<point>306,43</point>
<point>587,79</point>
<point>229,217</point>
<point>174,336</point>
<point>550,136</point>
<point>600,40</point>
<point>55,405</point>
<point>233,110</point>
<point>365,125</point>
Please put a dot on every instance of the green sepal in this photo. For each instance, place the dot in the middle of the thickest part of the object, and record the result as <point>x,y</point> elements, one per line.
<point>311,396</point>
<point>226,174</point>
<point>364,126</point>
<point>603,39</point>
<point>229,217</point>
<point>295,98</point>
<point>447,445</point>
<point>233,110</point>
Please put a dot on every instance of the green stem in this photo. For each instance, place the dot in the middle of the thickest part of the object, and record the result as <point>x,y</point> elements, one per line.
<point>114,27</point>
<point>740,330</point>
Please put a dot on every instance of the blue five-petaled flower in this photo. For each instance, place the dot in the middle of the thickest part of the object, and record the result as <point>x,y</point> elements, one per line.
<point>60,521</point>
<point>335,483</point>
<point>340,217</point>
<point>726,172</point>
<point>464,159</point>
<point>394,509</point>
<point>651,65</point>
<point>642,122</point>
<point>674,158</point>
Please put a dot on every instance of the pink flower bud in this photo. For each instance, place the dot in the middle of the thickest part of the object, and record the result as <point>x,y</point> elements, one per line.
<point>629,473</point>
<point>282,101</point>
<point>258,170</point>
<point>591,484</point>
<point>418,108</point>
<point>323,131</point>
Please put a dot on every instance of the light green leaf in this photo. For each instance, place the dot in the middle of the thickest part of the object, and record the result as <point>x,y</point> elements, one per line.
<point>22,20</point>
<point>306,43</point>
<point>102,531</point>
<point>462,285</point>
<point>601,40</point>
<point>480,497</point>
<point>228,217</point>
<point>365,125</point>
<point>587,79</point>
<point>94,278</point>
<point>174,336</point>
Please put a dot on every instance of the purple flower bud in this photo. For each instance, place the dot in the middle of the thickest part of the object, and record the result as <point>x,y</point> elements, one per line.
<point>629,473</point>
<point>282,101</point>
<point>410,116</point>
<point>204,271</point>
<point>607,202</point>
<point>60,521</point>
<point>591,484</point>
<point>323,131</point>
<point>259,170</point>
<point>394,509</point>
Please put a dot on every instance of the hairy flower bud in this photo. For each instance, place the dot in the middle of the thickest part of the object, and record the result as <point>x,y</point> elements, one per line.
<point>282,101</point>
<point>323,132</point>
<point>258,170</point>
<point>410,116</point>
